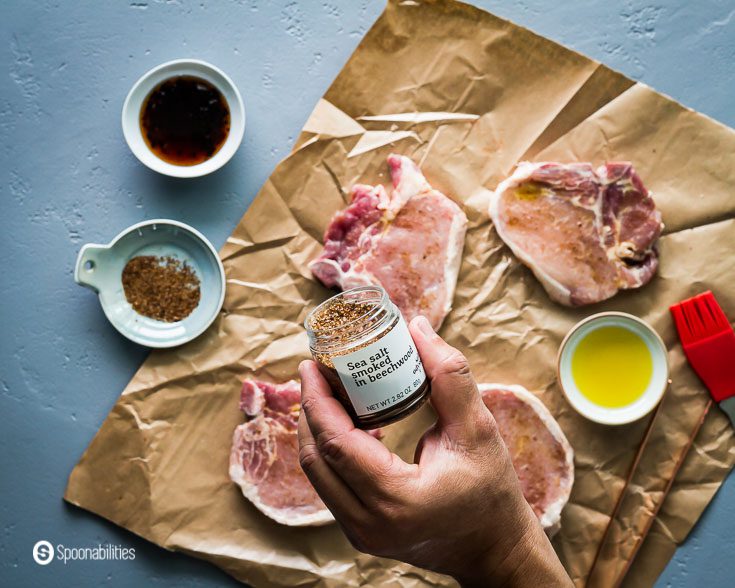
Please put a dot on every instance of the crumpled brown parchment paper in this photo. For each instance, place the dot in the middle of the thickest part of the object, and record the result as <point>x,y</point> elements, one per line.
<point>467,95</point>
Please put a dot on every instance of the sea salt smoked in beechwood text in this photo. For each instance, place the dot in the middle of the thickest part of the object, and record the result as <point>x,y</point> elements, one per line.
<point>383,373</point>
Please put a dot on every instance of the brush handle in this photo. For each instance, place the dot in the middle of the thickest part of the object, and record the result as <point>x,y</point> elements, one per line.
<point>728,407</point>
<point>598,575</point>
<point>669,484</point>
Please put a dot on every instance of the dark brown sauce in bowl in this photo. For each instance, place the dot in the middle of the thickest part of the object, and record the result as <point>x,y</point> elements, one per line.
<point>185,120</point>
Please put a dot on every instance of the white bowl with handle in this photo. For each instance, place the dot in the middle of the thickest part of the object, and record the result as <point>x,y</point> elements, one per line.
<point>100,267</point>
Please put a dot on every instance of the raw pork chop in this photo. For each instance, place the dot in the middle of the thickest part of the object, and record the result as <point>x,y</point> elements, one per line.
<point>410,243</point>
<point>265,456</point>
<point>584,233</point>
<point>541,454</point>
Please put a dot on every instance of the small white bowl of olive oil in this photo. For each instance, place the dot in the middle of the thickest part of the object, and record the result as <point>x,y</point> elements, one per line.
<point>613,368</point>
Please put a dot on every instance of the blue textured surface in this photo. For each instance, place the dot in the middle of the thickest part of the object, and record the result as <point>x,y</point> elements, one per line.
<point>68,178</point>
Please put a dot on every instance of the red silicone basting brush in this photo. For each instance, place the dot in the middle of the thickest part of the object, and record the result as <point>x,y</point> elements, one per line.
<point>709,344</point>
<point>708,341</point>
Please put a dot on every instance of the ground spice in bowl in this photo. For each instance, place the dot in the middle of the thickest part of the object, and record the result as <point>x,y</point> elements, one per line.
<point>162,288</point>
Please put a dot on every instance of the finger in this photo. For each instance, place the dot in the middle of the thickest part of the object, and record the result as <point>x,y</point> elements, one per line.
<point>428,445</point>
<point>454,394</point>
<point>340,500</point>
<point>421,445</point>
<point>368,467</point>
<point>323,410</point>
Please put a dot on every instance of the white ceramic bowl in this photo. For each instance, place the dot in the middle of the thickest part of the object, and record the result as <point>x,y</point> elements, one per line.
<point>100,268</point>
<point>656,387</point>
<point>182,67</point>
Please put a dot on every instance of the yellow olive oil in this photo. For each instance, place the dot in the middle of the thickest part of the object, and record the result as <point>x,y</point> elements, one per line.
<point>530,191</point>
<point>612,366</point>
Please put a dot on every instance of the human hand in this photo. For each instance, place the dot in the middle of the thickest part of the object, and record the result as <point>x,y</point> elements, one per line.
<point>458,509</point>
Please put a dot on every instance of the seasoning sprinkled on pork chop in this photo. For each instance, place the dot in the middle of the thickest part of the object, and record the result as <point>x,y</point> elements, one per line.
<point>584,233</point>
<point>264,460</point>
<point>541,454</point>
<point>409,242</point>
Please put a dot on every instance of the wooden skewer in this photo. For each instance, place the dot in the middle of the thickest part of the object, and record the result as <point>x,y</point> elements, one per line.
<point>629,477</point>
<point>669,484</point>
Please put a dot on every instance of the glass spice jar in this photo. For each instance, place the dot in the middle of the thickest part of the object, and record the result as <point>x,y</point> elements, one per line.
<point>362,346</point>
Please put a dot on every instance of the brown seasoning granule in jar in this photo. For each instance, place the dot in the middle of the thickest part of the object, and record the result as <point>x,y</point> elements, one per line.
<point>345,316</point>
<point>161,288</point>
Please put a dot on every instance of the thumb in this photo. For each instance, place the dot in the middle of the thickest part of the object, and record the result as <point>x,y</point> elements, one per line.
<point>454,393</point>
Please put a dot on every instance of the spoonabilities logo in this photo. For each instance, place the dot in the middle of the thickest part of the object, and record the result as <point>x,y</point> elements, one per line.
<point>43,553</point>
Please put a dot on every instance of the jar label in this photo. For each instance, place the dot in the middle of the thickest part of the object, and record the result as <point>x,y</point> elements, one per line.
<point>383,373</point>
